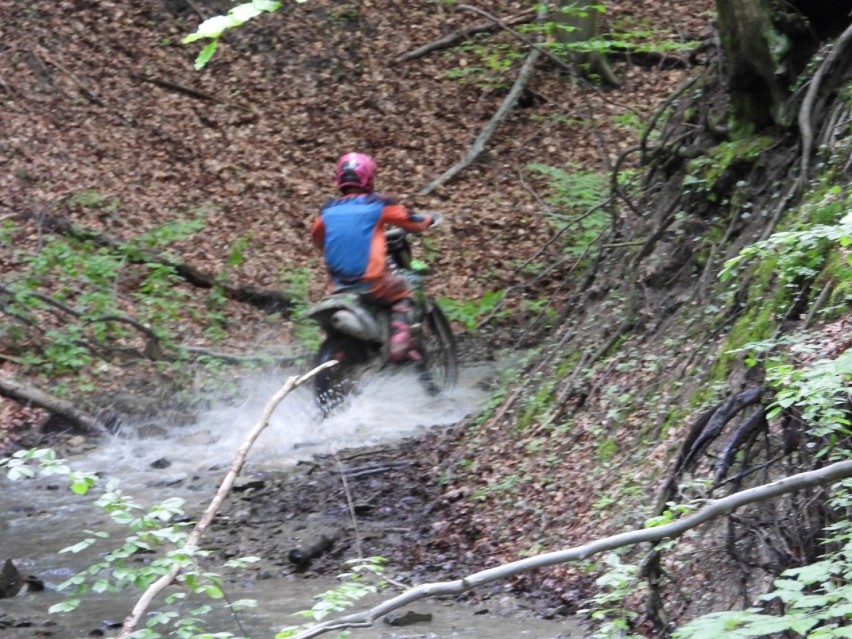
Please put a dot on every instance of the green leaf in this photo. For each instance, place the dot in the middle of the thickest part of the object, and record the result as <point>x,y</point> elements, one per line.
<point>81,483</point>
<point>80,546</point>
<point>64,606</point>
<point>205,54</point>
<point>214,592</point>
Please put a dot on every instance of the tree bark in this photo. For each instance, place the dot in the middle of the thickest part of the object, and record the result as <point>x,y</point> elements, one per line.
<point>581,25</point>
<point>32,396</point>
<point>753,48</point>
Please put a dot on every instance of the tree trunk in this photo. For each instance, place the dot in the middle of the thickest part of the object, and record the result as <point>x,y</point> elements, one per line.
<point>580,24</point>
<point>753,50</point>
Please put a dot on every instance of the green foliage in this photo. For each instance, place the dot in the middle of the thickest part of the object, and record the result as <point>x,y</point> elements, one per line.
<point>91,199</point>
<point>820,390</point>
<point>298,284</point>
<point>154,532</point>
<point>363,579</point>
<point>575,190</point>
<point>800,252</point>
<point>623,36</point>
<point>470,313</point>
<point>75,300</point>
<point>609,608</point>
<point>575,194</point>
<point>17,466</point>
<point>213,28</point>
<point>706,173</point>
<point>490,69</point>
<point>817,598</point>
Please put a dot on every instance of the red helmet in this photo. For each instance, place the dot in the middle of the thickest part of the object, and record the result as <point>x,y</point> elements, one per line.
<point>356,169</point>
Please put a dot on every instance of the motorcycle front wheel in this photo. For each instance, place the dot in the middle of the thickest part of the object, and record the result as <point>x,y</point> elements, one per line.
<point>333,385</point>
<point>439,369</point>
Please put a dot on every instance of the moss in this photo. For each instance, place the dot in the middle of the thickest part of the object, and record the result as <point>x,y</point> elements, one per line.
<point>536,406</point>
<point>607,449</point>
<point>723,162</point>
<point>756,323</point>
<point>837,274</point>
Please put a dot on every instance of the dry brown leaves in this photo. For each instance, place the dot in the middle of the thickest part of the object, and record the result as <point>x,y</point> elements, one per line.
<point>106,99</point>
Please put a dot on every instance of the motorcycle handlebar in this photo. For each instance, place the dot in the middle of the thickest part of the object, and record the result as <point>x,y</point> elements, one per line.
<point>396,233</point>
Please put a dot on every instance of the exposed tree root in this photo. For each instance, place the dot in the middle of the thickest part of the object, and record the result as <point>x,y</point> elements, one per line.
<point>808,112</point>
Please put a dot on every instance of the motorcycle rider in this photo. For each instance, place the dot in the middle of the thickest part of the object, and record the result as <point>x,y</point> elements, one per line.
<point>350,232</point>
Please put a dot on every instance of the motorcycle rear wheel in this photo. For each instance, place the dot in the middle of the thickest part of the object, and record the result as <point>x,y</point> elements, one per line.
<point>333,385</point>
<point>439,369</point>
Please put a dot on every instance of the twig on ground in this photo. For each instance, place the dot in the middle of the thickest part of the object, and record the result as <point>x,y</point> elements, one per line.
<point>351,504</point>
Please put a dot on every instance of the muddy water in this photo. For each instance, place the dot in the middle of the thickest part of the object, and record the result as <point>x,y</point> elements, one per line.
<point>41,518</point>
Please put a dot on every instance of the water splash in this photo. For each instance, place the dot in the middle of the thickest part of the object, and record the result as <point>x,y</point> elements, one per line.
<point>388,406</point>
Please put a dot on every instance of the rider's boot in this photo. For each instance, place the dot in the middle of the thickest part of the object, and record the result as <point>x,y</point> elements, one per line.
<point>401,340</point>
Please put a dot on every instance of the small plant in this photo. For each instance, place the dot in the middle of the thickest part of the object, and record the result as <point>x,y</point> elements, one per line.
<point>609,606</point>
<point>363,579</point>
<point>493,61</point>
<point>298,284</point>
<point>469,313</point>
<point>576,193</point>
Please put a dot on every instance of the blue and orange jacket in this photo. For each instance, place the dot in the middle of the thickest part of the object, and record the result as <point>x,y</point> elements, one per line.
<point>350,231</point>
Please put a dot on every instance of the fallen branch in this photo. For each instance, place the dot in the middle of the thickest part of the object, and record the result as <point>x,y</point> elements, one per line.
<point>480,142</point>
<point>457,36</point>
<point>712,510</point>
<point>32,396</point>
<point>169,85</point>
<point>269,300</point>
<point>194,537</point>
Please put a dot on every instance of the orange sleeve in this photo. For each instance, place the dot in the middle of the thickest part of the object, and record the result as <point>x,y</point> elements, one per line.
<point>398,215</point>
<point>318,232</point>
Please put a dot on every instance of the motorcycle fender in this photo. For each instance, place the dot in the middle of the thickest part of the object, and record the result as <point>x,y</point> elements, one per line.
<point>359,325</point>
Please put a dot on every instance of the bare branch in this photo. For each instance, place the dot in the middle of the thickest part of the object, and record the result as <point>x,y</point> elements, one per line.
<point>712,510</point>
<point>158,586</point>
<point>480,142</point>
<point>453,38</point>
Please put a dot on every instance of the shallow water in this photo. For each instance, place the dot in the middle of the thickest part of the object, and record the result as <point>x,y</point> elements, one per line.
<point>42,517</point>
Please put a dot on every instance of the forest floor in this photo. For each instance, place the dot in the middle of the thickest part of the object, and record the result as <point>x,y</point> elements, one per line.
<point>110,127</point>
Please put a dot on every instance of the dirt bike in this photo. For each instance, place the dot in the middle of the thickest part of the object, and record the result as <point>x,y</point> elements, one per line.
<point>358,330</point>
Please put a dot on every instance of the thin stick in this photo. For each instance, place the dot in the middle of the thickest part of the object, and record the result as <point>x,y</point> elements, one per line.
<point>158,586</point>
<point>351,505</point>
<point>714,509</point>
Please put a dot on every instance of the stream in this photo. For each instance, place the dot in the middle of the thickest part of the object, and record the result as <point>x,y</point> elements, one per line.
<point>41,517</point>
